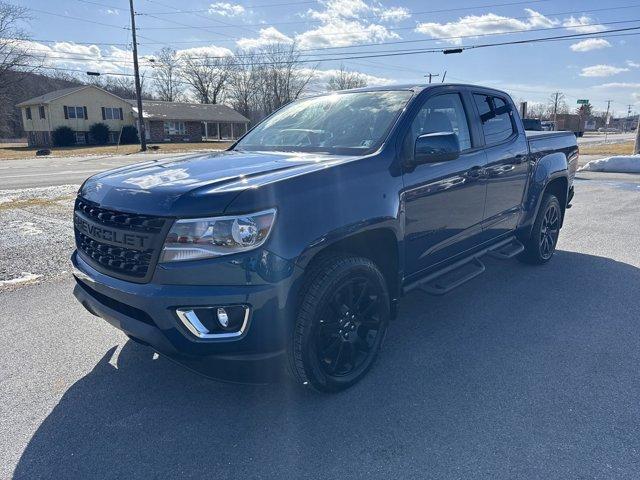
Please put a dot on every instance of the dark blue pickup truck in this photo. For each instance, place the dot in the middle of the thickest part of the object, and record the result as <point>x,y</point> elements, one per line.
<point>294,246</point>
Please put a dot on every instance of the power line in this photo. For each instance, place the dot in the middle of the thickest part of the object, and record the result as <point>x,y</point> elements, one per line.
<point>423,12</point>
<point>382,53</point>
<point>80,19</point>
<point>460,48</point>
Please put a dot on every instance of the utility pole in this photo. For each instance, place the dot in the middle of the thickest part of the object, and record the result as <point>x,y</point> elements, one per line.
<point>430,75</point>
<point>606,121</point>
<point>555,111</point>
<point>636,149</point>
<point>136,74</point>
<point>626,123</point>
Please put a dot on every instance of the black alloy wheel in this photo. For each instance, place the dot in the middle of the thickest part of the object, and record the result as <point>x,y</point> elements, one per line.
<point>341,322</point>
<point>549,231</point>
<point>540,246</point>
<point>349,328</point>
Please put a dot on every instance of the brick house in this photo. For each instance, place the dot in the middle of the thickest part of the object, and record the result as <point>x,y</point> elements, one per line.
<point>190,122</point>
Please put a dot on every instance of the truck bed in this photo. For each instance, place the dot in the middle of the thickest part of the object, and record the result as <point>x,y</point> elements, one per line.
<point>546,143</point>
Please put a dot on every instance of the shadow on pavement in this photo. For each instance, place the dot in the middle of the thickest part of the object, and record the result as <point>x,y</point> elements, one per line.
<point>524,373</point>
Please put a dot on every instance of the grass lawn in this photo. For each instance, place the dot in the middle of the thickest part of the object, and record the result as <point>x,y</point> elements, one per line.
<point>625,148</point>
<point>14,151</point>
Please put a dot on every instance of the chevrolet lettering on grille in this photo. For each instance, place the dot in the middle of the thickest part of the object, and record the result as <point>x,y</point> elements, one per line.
<point>111,236</point>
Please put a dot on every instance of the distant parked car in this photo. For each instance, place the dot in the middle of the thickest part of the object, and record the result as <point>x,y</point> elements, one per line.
<point>548,126</point>
<point>609,130</point>
<point>532,124</point>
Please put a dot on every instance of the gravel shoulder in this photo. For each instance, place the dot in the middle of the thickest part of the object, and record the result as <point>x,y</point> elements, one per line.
<point>38,234</point>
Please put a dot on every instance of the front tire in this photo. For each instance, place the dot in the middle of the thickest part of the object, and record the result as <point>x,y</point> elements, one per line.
<point>341,322</point>
<point>541,245</point>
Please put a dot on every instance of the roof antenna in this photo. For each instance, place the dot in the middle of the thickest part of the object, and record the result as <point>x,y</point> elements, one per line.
<point>444,76</point>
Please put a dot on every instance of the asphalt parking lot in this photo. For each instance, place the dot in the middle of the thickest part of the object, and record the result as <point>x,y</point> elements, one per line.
<point>525,372</point>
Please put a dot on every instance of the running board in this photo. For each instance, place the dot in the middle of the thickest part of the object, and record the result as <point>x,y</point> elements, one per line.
<point>468,268</point>
<point>445,281</point>
<point>506,251</point>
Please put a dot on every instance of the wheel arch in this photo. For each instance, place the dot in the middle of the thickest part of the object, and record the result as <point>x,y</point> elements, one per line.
<point>380,245</point>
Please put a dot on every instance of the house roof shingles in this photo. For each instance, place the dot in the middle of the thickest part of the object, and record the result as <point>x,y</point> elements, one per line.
<point>157,110</point>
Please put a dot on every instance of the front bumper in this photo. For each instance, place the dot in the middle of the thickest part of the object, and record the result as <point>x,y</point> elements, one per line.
<point>147,312</point>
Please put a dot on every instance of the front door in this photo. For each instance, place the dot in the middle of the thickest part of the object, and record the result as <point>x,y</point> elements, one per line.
<point>443,202</point>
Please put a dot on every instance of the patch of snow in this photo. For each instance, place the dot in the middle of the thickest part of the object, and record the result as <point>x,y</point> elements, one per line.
<point>616,164</point>
<point>25,278</point>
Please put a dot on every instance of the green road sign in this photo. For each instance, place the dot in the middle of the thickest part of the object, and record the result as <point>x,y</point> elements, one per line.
<point>583,102</point>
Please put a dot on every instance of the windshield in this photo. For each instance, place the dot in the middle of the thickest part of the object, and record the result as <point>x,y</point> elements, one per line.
<point>340,123</point>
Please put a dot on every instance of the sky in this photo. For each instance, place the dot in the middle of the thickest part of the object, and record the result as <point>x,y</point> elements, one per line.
<point>599,66</point>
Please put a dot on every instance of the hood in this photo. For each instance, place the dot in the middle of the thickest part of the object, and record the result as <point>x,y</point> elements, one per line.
<point>196,185</point>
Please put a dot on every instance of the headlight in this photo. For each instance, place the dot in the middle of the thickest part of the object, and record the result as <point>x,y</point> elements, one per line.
<point>197,238</point>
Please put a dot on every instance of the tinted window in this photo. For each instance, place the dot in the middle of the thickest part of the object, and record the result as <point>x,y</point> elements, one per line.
<point>495,115</point>
<point>443,113</point>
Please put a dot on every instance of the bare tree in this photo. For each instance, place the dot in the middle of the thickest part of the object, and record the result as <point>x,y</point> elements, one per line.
<point>122,86</point>
<point>166,75</point>
<point>208,75</point>
<point>557,104</point>
<point>15,64</point>
<point>344,79</point>
<point>244,84</point>
<point>282,78</point>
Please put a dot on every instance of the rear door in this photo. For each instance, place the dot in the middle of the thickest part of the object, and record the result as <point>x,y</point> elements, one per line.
<point>443,202</point>
<point>507,166</point>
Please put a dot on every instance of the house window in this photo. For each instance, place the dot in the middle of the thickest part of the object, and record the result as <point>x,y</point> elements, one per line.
<point>28,113</point>
<point>174,128</point>
<point>41,111</point>
<point>75,112</point>
<point>111,113</point>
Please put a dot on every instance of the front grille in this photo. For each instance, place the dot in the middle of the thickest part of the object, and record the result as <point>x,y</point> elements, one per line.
<point>123,262</point>
<point>111,218</point>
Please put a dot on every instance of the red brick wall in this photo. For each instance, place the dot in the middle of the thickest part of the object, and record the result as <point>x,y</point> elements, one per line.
<point>193,134</point>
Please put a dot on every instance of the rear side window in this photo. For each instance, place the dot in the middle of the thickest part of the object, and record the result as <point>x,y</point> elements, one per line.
<point>495,115</point>
<point>442,113</point>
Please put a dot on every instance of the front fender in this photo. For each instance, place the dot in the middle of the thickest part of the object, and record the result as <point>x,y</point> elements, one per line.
<point>546,168</point>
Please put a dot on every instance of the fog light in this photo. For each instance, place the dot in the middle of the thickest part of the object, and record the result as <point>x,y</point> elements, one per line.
<point>223,318</point>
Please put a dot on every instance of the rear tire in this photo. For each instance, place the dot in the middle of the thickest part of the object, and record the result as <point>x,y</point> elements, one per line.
<point>342,319</point>
<point>541,245</point>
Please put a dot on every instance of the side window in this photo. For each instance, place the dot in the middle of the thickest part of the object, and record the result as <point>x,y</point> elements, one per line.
<point>442,113</point>
<point>495,116</point>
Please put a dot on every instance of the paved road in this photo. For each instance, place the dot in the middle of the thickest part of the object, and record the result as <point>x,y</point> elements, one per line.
<point>44,172</point>
<point>524,373</point>
<point>591,138</point>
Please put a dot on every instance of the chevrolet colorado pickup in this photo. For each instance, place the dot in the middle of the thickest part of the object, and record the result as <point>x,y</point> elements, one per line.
<point>295,245</point>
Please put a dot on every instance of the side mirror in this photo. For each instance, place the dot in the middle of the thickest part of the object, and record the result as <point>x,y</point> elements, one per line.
<point>436,147</point>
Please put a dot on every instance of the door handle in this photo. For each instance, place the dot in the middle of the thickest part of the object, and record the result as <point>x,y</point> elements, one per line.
<point>520,158</point>
<point>475,172</point>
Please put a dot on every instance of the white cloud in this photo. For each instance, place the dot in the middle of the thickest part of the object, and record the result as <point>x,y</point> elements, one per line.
<point>490,23</point>
<point>619,85</point>
<point>582,24</point>
<point>111,11</point>
<point>342,26</point>
<point>632,64</point>
<point>343,33</point>
<point>210,50</point>
<point>601,71</point>
<point>81,57</point>
<point>323,76</point>
<point>393,14</point>
<point>590,44</point>
<point>226,9</point>
<point>267,36</point>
